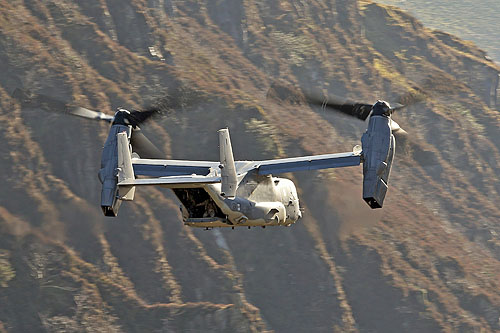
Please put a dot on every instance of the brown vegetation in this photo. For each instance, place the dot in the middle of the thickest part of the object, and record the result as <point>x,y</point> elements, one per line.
<point>429,261</point>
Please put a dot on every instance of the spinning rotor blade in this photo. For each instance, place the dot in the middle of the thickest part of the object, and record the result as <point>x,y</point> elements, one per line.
<point>362,110</point>
<point>284,92</point>
<point>140,144</point>
<point>143,146</point>
<point>86,113</point>
<point>353,109</point>
<point>136,117</point>
<point>54,105</point>
<point>407,146</point>
<point>396,129</point>
<point>357,109</point>
<point>401,136</point>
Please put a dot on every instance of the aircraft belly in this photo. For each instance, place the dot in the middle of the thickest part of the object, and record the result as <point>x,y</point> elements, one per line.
<point>222,224</point>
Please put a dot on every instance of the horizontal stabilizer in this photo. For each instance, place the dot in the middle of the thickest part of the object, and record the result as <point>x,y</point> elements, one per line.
<point>166,168</point>
<point>175,181</point>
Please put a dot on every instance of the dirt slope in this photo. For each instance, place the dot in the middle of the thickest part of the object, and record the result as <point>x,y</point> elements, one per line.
<point>428,261</point>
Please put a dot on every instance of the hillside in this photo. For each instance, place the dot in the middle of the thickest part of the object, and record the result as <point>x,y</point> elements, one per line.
<point>427,262</point>
<point>475,21</point>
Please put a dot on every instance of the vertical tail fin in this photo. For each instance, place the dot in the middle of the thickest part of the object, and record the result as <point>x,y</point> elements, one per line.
<point>107,174</point>
<point>125,169</point>
<point>229,181</point>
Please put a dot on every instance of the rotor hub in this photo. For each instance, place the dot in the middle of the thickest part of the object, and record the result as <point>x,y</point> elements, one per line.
<point>381,108</point>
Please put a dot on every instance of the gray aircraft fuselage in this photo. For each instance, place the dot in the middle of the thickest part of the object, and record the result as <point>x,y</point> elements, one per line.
<point>259,201</point>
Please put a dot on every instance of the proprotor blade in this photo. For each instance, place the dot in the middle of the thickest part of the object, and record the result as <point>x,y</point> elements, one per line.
<point>143,146</point>
<point>407,147</point>
<point>283,92</point>
<point>89,114</point>
<point>395,128</point>
<point>353,109</point>
<point>54,105</point>
<point>138,117</point>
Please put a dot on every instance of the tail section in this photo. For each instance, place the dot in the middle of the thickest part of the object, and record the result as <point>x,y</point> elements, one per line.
<point>108,172</point>
<point>229,180</point>
<point>125,169</point>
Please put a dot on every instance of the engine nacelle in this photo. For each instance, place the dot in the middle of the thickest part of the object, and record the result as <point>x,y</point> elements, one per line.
<point>378,152</point>
<point>108,174</point>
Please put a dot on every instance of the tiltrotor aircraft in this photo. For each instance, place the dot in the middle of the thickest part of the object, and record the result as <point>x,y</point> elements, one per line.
<point>228,193</point>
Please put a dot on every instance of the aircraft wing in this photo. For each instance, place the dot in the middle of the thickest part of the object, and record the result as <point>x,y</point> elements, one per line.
<point>172,181</point>
<point>303,163</point>
<point>168,168</point>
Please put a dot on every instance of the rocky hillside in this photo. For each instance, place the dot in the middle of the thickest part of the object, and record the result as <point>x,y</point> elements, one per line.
<point>427,262</point>
<point>471,20</point>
